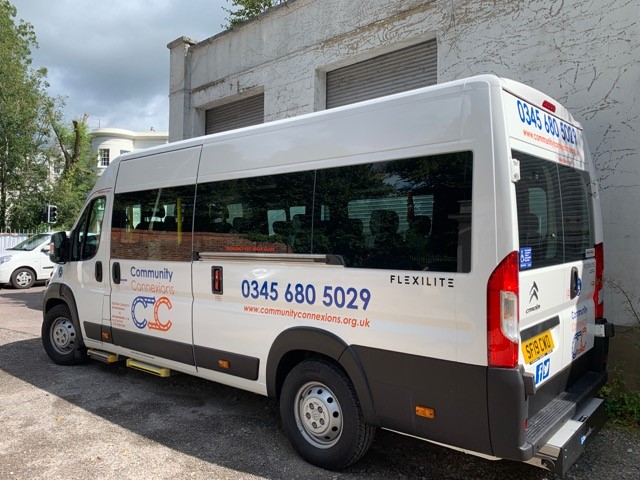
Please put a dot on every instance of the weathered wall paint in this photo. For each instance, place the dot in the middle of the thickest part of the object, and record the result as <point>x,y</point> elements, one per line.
<point>584,53</point>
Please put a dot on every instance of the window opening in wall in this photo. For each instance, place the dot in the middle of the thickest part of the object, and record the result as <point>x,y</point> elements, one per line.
<point>104,157</point>
<point>241,113</point>
<point>398,71</point>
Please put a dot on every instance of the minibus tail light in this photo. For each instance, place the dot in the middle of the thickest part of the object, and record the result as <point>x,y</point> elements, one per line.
<point>598,301</point>
<point>549,106</point>
<point>503,322</point>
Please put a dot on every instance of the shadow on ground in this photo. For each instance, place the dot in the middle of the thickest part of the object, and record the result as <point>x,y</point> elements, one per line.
<point>29,298</point>
<point>230,427</point>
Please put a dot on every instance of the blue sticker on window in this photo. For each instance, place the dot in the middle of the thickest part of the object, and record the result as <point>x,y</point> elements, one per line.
<point>525,258</point>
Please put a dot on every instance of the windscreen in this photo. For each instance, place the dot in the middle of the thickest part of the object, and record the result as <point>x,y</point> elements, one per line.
<point>32,242</point>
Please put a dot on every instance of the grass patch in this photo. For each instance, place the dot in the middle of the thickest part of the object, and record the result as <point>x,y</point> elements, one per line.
<point>623,403</point>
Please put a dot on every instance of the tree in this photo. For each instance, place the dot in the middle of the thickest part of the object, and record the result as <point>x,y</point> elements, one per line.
<point>72,143</point>
<point>23,128</point>
<point>248,9</point>
<point>43,159</point>
<point>78,166</point>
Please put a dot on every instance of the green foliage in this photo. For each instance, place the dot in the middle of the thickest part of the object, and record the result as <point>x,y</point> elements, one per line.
<point>25,211</point>
<point>23,126</point>
<point>71,191</point>
<point>247,9</point>
<point>623,403</point>
<point>79,170</point>
<point>43,158</point>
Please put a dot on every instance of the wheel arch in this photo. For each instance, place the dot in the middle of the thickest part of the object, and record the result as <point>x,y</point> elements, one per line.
<point>296,344</point>
<point>26,267</point>
<point>61,294</point>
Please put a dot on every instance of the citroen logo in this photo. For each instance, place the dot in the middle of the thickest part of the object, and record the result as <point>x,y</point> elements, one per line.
<point>533,293</point>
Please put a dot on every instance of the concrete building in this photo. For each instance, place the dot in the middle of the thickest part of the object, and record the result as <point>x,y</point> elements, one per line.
<point>108,143</point>
<point>307,55</point>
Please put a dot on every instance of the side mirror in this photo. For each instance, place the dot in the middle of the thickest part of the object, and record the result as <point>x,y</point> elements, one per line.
<point>59,248</point>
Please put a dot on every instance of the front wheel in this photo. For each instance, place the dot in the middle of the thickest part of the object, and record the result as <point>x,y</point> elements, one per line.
<point>61,341</point>
<point>322,416</point>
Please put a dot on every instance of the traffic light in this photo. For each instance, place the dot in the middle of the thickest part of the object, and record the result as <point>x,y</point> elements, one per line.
<point>52,213</point>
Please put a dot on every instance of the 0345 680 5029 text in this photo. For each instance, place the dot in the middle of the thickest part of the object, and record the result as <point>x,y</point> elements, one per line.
<point>305,294</point>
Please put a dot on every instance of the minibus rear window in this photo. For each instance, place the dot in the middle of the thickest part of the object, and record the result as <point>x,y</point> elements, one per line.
<point>554,212</point>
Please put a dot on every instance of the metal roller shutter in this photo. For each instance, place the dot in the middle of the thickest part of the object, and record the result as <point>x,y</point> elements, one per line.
<point>393,72</point>
<point>241,113</point>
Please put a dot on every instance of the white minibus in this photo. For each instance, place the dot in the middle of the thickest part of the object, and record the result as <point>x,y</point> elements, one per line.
<point>428,263</point>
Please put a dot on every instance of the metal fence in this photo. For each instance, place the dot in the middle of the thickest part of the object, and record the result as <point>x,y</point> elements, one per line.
<point>9,239</point>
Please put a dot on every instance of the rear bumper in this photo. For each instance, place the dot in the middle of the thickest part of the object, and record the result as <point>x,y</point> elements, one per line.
<point>523,421</point>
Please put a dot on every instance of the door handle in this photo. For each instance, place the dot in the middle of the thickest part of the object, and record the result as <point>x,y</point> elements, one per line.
<point>115,273</point>
<point>99,271</point>
<point>575,288</point>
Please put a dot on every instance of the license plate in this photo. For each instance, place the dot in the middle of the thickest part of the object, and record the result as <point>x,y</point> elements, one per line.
<point>537,347</point>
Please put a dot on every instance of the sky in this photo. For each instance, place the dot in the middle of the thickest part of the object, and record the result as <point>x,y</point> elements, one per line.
<point>110,58</point>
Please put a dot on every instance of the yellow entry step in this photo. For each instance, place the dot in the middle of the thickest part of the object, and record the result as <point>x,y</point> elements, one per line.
<point>148,368</point>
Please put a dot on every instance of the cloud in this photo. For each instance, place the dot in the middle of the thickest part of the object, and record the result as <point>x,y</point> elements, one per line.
<point>110,58</point>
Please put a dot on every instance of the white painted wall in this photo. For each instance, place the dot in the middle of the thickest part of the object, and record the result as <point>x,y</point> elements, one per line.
<point>117,140</point>
<point>584,53</point>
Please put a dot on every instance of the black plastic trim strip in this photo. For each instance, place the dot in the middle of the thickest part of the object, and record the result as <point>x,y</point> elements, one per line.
<point>160,347</point>
<point>242,366</point>
<point>531,332</point>
<point>93,331</point>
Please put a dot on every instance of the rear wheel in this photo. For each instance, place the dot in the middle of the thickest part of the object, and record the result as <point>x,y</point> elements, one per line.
<point>322,416</point>
<point>23,278</point>
<point>61,341</point>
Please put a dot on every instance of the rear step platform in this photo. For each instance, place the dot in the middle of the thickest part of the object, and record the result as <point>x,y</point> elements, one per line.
<point>562,408</point>
<point>566,445</point>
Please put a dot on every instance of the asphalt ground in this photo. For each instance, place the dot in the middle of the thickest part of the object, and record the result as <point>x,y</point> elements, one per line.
<point>109,422</point>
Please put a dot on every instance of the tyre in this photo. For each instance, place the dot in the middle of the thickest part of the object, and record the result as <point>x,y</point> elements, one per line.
<point>322,416</point>
<point>23,278</point>
<point>61,341</point>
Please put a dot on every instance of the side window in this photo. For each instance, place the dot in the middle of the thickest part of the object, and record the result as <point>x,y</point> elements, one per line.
<point>86,237</point>
<point>153,224</point>
<point>554,217</point>
<point>410,214</point>
<point>270,214</point>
